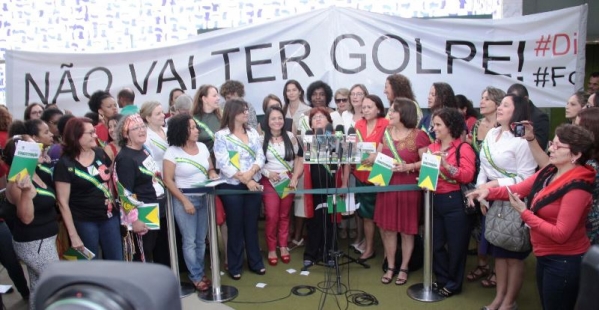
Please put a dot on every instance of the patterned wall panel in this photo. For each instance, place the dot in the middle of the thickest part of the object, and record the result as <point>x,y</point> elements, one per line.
<point>111,25</point>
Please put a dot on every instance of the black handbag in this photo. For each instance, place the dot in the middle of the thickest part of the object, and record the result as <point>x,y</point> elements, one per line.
<point>466,188</point>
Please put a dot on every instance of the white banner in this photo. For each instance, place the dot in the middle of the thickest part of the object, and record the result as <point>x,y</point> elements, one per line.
<point>340,46</point>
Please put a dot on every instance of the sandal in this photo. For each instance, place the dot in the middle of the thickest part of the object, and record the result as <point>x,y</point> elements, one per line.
<point>385,279</point>
<point>478,272</point>
<point>201,286</point>
<point>273,260</point>
<point>206,280</point>
<point>489,282</point>
<point>400,281</point>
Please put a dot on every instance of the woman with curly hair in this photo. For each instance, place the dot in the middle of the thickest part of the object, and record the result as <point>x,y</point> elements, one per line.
<point>440,96</point>
<point>398,85</point>
<point>36,225</point>
<point>186,164</point>
<point>451,225</point>
<point>104,105</point>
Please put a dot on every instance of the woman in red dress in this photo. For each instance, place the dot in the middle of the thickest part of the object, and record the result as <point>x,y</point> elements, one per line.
<point>399,211</point>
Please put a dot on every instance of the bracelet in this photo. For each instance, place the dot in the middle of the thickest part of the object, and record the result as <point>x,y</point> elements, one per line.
<point>533,138</point>
<point>452,170</point>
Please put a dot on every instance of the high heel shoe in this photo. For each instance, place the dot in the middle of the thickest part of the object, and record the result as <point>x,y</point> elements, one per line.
<point>285,258</point>
<point>273,261</point>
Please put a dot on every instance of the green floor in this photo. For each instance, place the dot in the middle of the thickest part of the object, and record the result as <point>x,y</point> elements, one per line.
<point>276,294</point>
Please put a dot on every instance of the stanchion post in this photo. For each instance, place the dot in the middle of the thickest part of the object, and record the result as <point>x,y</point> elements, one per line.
<point>218,293</point>
<point>424,291</point>
<point>184,289</point>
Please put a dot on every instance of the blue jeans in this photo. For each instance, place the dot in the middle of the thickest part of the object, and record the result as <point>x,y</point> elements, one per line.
<point>193,228</point>
<point>8,259</point>
<point>106,234</point>
<point>558,278</point>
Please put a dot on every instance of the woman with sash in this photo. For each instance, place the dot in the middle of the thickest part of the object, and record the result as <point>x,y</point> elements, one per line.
<point>283,167</point>
<point>152,115</point>
<point>239,155</point>
<point>138,181</point>
<point>369,132</point>
<point>207,115</point>
<point>39,131</point>
<point>505,160</point>
<point>489,101</point>
<point>186,164</point>
<point>399,212</point>
<point>86,204</point>
<point>36,225</point>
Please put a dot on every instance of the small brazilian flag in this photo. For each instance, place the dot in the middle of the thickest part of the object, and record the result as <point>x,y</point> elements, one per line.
<point>150,215</point>
<point>234,157</point>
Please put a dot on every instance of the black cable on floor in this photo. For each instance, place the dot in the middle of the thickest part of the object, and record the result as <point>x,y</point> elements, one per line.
<point>297,290</point>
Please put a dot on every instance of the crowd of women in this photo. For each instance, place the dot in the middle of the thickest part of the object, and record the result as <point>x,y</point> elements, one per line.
<point>96,174</point>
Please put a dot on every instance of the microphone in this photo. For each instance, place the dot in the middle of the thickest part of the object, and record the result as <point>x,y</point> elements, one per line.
<point>328,129</point>
<point>307,142</point>
<point>350,139</point>
<point>339,131</point>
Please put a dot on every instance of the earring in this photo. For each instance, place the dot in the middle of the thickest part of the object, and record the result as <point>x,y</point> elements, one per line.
<point>573,161</point>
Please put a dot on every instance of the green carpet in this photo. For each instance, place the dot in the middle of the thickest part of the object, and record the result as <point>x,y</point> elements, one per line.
<point>276,294</point>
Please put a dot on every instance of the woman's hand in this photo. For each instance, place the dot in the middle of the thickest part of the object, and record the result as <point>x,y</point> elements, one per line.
<point>369,161</point>
<point>254,186</point>
<point>189,207</point>
<point>529,131</point>
<point>140,228</point>
<point>273,176</point>
<point>245,177</point>
<point>26,187</point>
<point>76,243</point>
<point>212,175</point>
<point>517,203</point>
<point>293,182</point>
<point>478,194</point>
<point>403,167</point>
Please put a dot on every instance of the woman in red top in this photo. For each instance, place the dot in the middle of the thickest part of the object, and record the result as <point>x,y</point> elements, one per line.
<point>369,129</point>
<point>560,197</point>
<point>451,225</point>
<point>399,211</point>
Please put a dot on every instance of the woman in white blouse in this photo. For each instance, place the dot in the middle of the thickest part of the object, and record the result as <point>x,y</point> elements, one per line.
<point>239,155</point>
<point>151,113</point>
<point>506,160</point>
<point>284,164</point>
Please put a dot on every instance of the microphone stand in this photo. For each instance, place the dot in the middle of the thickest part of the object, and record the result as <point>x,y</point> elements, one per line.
<point>335,252</point>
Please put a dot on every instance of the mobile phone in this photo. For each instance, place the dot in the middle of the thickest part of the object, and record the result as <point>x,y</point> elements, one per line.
<point>509,190</point>
<point>519,130</point>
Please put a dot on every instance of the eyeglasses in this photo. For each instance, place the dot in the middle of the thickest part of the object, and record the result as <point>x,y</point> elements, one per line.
<point>319,116</point>
<point>136,128</point>
<point>91,132</point>
<point>37,112</point>
<point>557,146</point>
<point>356,94</point>
<point>337,100</point>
